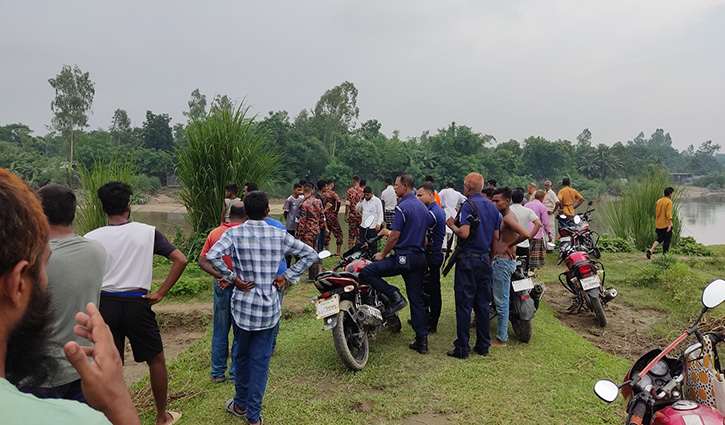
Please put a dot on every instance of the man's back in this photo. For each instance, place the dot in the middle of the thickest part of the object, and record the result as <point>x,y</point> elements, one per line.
<point>568,196</point>
<point>663,212</point>
<point>75,274</point>
<point>129,249</point>
<point>389,198</point>
<point>450,198</point>
<point>489,222</point>
<point>524,216</point>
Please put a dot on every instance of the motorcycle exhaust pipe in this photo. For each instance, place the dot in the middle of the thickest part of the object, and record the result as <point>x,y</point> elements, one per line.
<point>368,317</point>
<point>609,294</point>
<point>537,291</point>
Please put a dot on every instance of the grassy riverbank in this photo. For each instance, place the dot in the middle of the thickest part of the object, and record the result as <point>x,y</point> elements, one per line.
<point>548,381</point>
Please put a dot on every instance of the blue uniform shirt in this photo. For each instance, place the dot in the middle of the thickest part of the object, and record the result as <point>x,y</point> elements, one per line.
<point>490,222</point>
<point>411,220</point>
<point>276,223</point>
<point>436,227</point>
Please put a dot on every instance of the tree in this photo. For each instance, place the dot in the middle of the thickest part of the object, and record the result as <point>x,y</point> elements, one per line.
<point>74,93</point>
<point>120,126</point>
<point>335,112</point>
<point>157,132</point>
<point>197,106</point>
<point>221,103</point>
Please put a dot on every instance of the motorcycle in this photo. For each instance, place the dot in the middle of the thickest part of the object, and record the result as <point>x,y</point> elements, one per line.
<point>352,309</point>
<point>584,278</point>
<point>652,387</point>
<point>576,231</point>
<point>523,300</point>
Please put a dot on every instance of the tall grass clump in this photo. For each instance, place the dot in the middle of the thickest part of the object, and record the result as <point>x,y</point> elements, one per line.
<point>633,217</point>
<point>90,212</point>
<point>223,147</point>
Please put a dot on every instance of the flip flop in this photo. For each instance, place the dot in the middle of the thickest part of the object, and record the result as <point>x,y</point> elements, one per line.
<point>233,411</point>
<point>175,416</point>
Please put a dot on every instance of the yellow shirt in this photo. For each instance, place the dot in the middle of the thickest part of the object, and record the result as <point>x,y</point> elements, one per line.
<point>663,214</point>
<point>568,196</point>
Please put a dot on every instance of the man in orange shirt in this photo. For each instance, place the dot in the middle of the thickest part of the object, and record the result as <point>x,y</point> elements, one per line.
<point>663,222</point>
<point>569,198</point>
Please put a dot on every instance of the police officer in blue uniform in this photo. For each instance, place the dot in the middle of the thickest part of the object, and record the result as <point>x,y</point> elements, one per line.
<point>433,255</point>
<point>407,237</point>
<point>472,283</point>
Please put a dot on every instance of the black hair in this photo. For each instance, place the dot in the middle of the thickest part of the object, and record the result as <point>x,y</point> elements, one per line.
<point>237,210</point>
<point>355,178</point>
<point>321,184</point>
<point>363,182</point>
<point>297,185</point>
<point>302,182</point>
<point>517,196</point>
<point>429,179</point>
<point>503,190</point>
<point>232,187</point>
<point>566,181</point>
<point>428,187</point>
<point>388,181</point>
<point>330,181</point>
<point>115,197</point>
<point>368,189</point>
<point>407,180</point>
<point>251,186</point>
<point>668,192</point>
<point>492,182</point>
<point>488,191</point>
<point>450,185</point>
<point>59,204</point>
<point>256,204</point>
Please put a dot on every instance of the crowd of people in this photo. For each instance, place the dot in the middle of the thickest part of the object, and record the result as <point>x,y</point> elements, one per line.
<point>252,258</point>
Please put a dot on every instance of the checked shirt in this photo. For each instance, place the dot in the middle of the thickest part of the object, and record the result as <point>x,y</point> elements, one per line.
<point>256,250</point>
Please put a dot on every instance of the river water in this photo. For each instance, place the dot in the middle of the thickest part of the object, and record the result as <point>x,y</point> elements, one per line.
<point>702,218</point>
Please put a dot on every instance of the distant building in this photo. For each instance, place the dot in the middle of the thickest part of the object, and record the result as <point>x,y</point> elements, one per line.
<point>681,177</point>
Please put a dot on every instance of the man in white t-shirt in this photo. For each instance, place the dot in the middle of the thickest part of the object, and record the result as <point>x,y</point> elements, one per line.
<point>389,200</point>
<point>551,202</point>
<point>450,200</point>
<point>370,206</point>
<point>524,216</point>
<point>125,299</point>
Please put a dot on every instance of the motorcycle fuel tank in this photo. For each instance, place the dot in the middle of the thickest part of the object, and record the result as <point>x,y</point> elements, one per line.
<point>687,412</point>
<point>357,265</point>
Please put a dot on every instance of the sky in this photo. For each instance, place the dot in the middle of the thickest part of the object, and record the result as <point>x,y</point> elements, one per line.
<point>508,68</point>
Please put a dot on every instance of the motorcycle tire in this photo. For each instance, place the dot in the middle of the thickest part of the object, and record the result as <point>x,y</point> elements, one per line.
<point>352,350</point>
<point>394,324</point>
<point>523,329</point>
<point>596,305</point>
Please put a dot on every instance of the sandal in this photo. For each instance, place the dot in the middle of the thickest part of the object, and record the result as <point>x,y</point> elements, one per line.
<point>175,416</point>
<point>231,409</point>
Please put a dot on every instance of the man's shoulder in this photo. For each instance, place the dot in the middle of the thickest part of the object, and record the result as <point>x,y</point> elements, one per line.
<point>274,223</point>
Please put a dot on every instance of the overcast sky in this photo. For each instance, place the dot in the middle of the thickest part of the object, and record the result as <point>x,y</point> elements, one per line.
<point>509,68</point>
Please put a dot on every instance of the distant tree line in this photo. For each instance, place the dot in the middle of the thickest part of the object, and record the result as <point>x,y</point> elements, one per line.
<point>327,142</point>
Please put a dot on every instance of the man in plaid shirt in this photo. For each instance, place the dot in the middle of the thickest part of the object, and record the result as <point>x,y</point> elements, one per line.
<point>256,250</point>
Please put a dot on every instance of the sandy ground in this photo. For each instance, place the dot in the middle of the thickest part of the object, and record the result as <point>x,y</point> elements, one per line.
<point>167,202</point>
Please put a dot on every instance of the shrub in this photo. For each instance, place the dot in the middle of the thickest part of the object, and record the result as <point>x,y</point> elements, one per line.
<point>679,281</point>
<point>90,212</point>
<point>187,286</point>
<point>609,243</point>
<point>689,246</point>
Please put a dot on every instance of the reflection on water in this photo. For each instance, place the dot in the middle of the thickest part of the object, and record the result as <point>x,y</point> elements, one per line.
<point>702,218</point>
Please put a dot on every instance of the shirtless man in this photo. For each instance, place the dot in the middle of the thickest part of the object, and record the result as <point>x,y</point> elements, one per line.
<point>504,264</point>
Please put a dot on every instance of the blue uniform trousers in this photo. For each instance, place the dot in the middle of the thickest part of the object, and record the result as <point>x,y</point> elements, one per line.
<point>411,266</point>
<point>472,288</point>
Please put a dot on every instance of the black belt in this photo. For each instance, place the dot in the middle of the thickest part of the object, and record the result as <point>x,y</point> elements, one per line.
<point>472,253</point>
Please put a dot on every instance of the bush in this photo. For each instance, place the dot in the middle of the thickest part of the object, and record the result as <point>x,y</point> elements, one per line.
<point>650,274</point>
<point>187,286</point>
<point>609,243</point>
<point>90,213</point>
<point>679,281</point>
<point>689,246</point>
<point>148,184</point>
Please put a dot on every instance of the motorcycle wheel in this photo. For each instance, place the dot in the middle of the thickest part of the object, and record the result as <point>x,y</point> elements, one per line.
<point>523,329</point>
<point>352,349</point>
<point>596,304</point>
<point>393,323</point>
<point>592,247</point>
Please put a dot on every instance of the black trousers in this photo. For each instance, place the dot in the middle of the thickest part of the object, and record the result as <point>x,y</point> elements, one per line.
<point>432,288</point>
<point>367,234</point>
<point>472,288</point>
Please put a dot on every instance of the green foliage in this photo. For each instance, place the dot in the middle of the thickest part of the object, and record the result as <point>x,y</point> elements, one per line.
<point>90,211</point>
<point>609,243</point>
<point>190,243</point>
<point>712,181</point>
<point>633,217</point>
<point>189,287</point>
<point>157,132</point>
<point>222,147</point>
<point>687,245</point>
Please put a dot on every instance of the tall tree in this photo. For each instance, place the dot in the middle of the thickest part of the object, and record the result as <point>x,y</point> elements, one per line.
<point>74,93</point>
<point>221,102</point>
<point>120,126</point>
<point>197,106</point>
<point>335,112</point>
<point>157,132</point>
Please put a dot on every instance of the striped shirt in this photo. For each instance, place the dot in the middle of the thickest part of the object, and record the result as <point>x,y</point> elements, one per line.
<point>256,250</point>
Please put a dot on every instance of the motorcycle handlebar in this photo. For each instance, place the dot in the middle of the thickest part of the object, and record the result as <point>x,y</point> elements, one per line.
<point>637,416</point>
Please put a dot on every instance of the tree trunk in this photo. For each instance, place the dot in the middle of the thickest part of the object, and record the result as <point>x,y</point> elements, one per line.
<point>70,173</point>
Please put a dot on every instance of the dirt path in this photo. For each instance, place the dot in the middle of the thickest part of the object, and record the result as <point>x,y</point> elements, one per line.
<point>181,325</point>
<point>626,332</point>
<point>167,201</point>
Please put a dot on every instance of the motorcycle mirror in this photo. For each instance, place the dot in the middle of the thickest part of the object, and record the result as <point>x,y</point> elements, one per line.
<point>714,294</point>
<point>369,221</point>
<point>694,351</point>
<point>577,219</point>
<point>606,390</point>
<point>324,254</point>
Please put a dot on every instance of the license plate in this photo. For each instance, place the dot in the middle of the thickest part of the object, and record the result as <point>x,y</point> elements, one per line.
<point>590,282</point>
<point>328,306</point>
<point>522,285</point>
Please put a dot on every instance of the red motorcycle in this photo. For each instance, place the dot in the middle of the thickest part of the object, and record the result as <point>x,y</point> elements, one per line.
<point>652,387</point>
<point>584,278</point>
<point>352,308</point>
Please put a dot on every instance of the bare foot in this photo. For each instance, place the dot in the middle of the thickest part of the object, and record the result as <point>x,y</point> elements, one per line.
<point>497,343</point>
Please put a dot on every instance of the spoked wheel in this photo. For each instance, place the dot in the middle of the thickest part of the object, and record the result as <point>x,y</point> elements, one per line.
<point>351,342</point>
<point>523,329</point>
<point>596,305</point>
<point>592,247</point>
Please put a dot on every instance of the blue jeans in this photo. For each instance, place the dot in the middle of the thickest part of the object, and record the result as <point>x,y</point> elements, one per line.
<point>276,327</point>
<point>412,269</point>
<point>472,288</point>
<point>251,361</point>
<point>220,332</point>
<point>503,268</point>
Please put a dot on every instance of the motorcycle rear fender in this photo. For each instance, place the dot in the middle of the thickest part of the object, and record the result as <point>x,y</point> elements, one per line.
<point>331,321</point>
<point>595,292</point>
<point>522,305</point>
